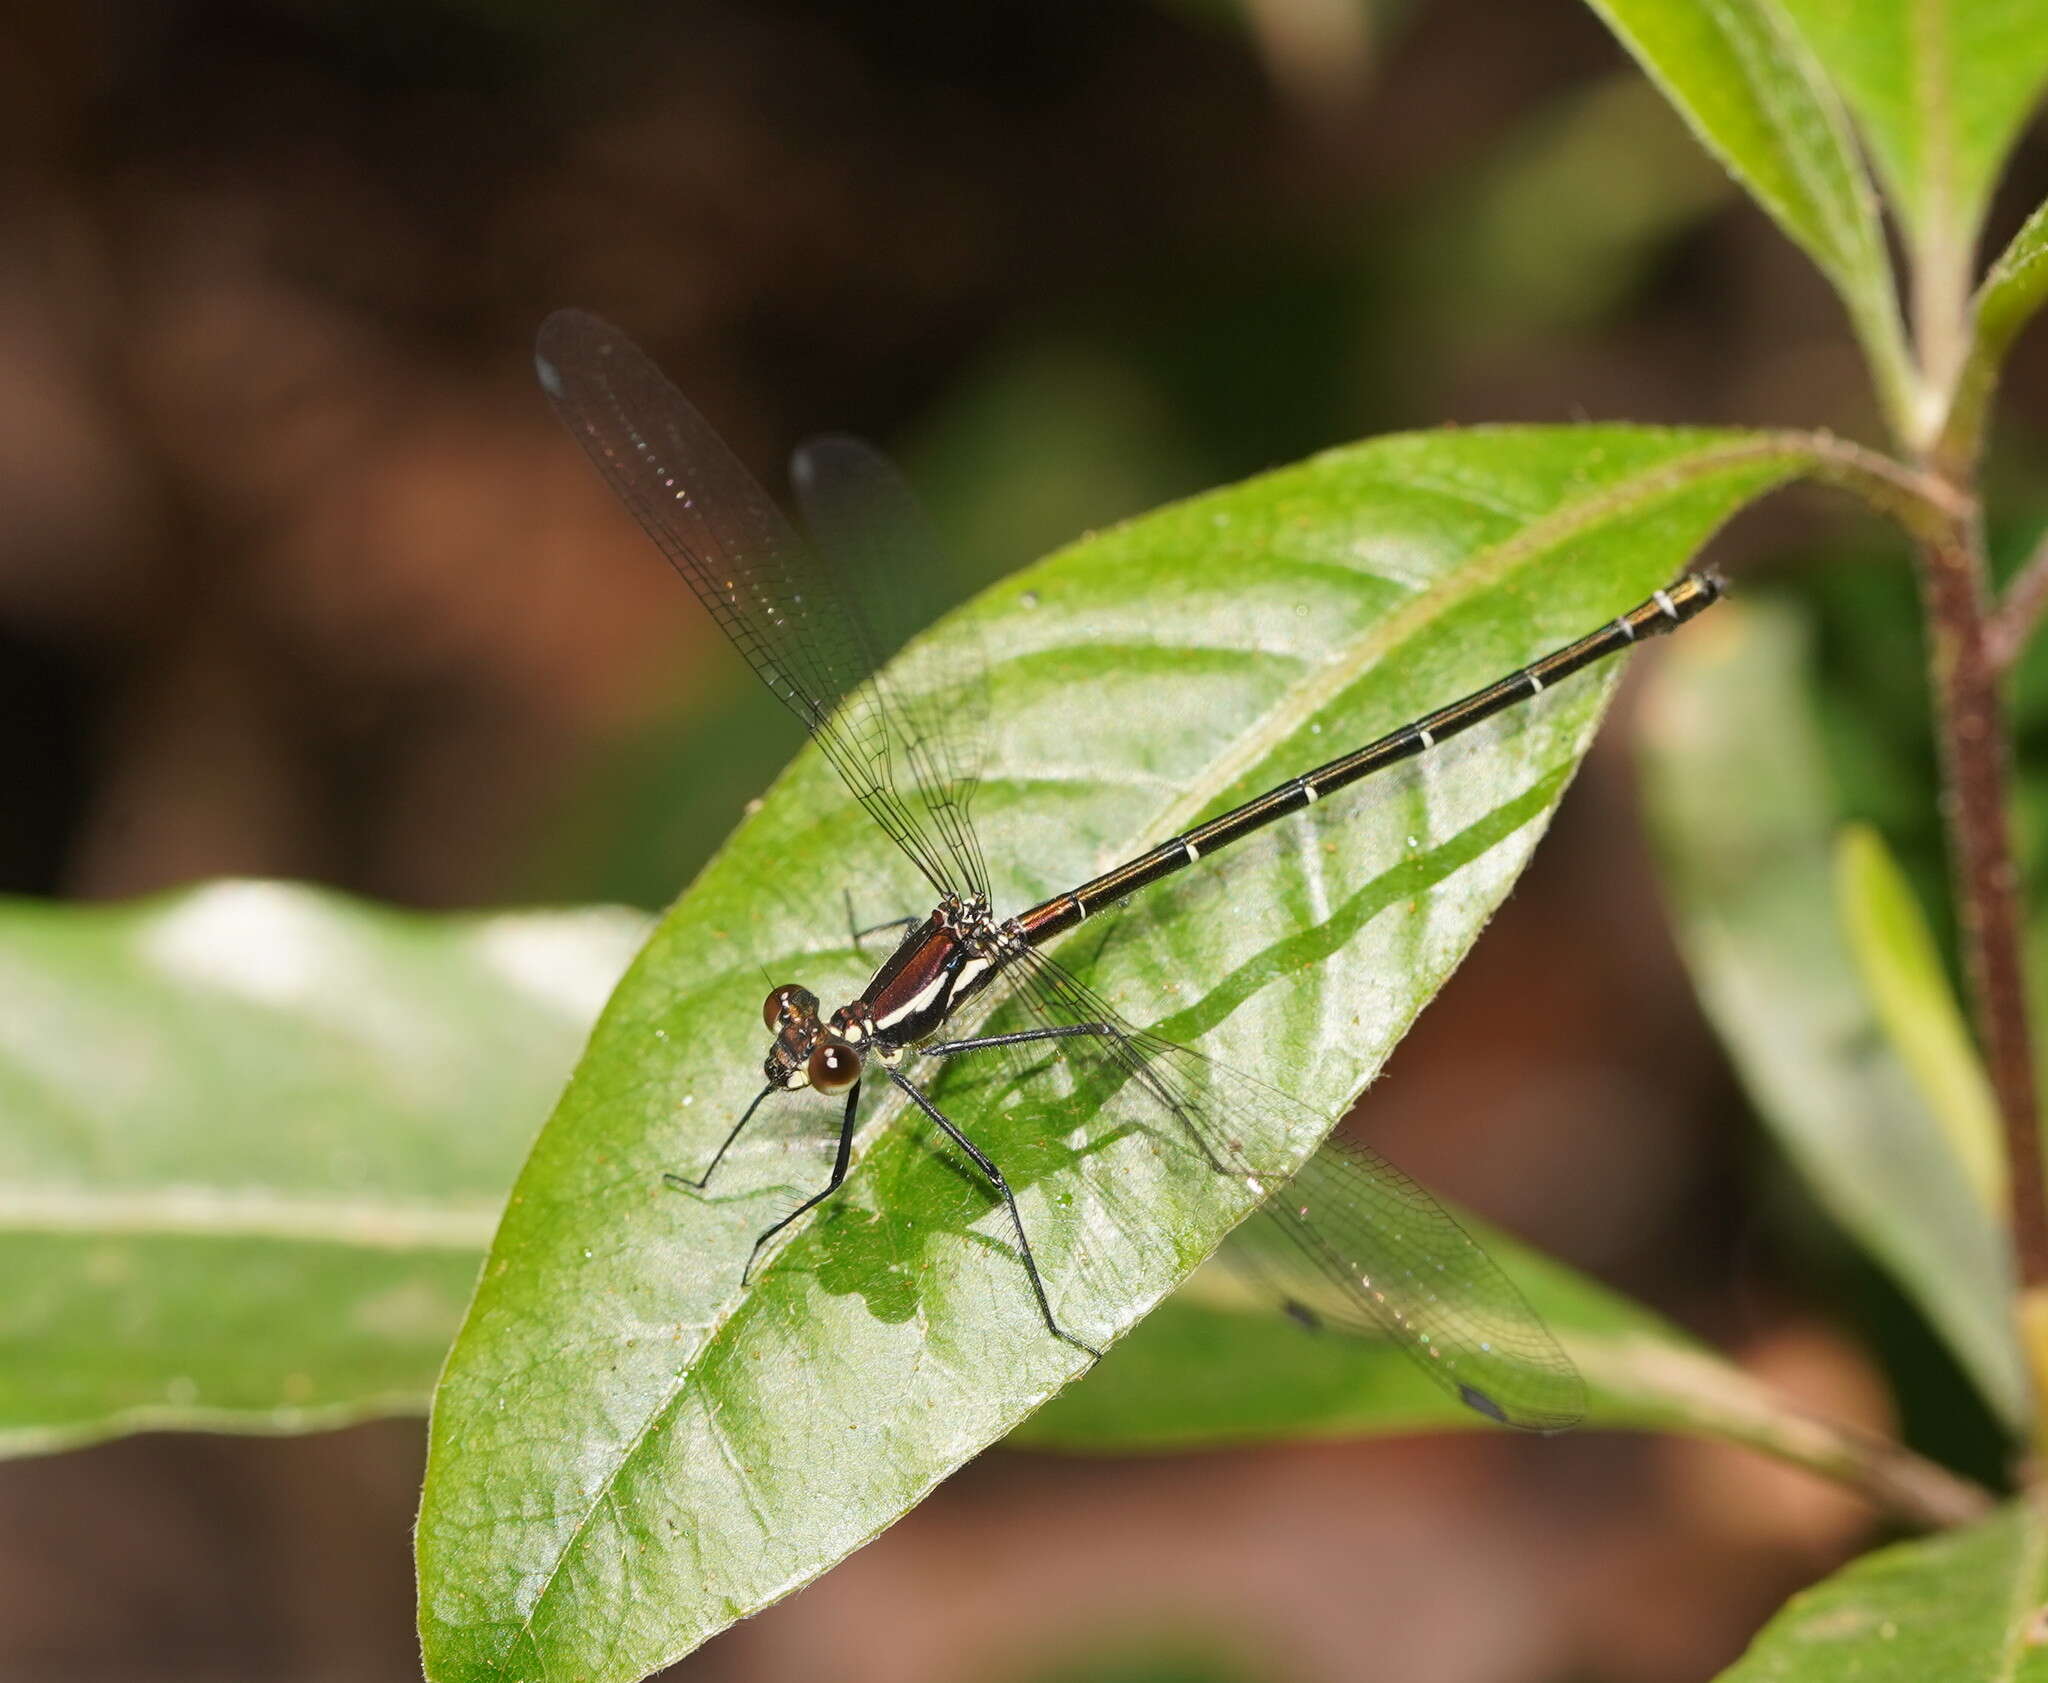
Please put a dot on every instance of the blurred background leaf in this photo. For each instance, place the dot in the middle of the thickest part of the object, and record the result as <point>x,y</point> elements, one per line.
<point>1213,1367</point>
<point>253,1141</point>
<point>1908,987</point>
<point>1967,1604</point>
<point>1739,797</point>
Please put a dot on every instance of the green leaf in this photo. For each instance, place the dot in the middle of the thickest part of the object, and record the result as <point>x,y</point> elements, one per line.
<point>1739,802</point>
<point>1908,988</point>
<point>1213,1366</point>
<point>629,1450</point>
<point>1970,1604</point>
<point>255,1141</point>
<point>1940,89</point>
<point>1753,94</point>
<point>2015,287</point>
<point>2006,302</point>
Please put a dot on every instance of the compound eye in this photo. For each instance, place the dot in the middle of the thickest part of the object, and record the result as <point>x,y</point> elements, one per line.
<point>781,1001</point>
<point>834,1067</point>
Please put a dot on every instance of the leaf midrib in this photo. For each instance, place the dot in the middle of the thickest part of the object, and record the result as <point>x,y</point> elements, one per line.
<point>208,1212</point>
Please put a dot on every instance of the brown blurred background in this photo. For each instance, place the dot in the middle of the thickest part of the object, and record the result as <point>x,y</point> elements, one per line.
<point>297,577</point>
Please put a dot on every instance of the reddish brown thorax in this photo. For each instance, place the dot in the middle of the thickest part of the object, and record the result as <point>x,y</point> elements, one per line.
<point>940,964</point>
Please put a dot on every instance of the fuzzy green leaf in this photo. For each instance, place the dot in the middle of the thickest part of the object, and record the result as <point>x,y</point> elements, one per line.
<point>2015,287</point>
<point>1940,89</point>
<point>1739,800</point>
<point>629,1450</point>
<point>2011,294</point>
<point>253,1141</point>
<point>1752,92</point>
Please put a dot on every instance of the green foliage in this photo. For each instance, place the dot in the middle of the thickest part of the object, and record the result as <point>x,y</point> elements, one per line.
<point>1214,1365</point>
<point>1755,96</point>
<point>1966,1605</point>
<point>1940,89</point>
<point>629,1450</point>
<point>2016,286</point>
<point>256,1138</point>
<point>2007,300</point>
<point>1903,975</point>
<point>1738,799</point>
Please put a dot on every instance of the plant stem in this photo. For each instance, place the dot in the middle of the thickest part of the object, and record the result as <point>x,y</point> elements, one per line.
<point>2020,610</point>
<point>1919,501</point>
<point>1975,759</point>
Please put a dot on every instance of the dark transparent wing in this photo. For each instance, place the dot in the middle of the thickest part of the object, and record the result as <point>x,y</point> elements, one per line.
<point>800,628</point>
<point>868,525</point>
<point>1348,1241</point>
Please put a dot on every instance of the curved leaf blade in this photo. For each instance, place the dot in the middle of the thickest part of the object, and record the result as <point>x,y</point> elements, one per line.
<point>1737,795</point>
<point>255,1141</point>
<point>1750,89</point>
<point>2015,287</point>
<point>2008,299</point>
<point>1212,1367</point>
<point>629,1451</point>
<point>1940,89</point>
<point>1909,989</point>
<point>1966,1604</point>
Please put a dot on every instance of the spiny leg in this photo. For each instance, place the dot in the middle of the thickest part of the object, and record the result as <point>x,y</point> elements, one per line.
<point>684,1182</point>
<point>987,1166</point>
<point>838,1174</point>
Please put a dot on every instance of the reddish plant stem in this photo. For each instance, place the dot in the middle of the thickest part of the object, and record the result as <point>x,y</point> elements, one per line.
<point>1970,724</point>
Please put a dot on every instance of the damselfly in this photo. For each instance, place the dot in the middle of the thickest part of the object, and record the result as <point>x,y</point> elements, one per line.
<point>1347,1239</point>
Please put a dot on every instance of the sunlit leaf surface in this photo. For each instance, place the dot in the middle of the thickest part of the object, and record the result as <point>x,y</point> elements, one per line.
<point>629,1449</point>
<point>253,1141</point>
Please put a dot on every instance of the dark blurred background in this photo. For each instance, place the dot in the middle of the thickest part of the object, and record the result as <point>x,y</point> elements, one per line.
<point>297,577</point>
